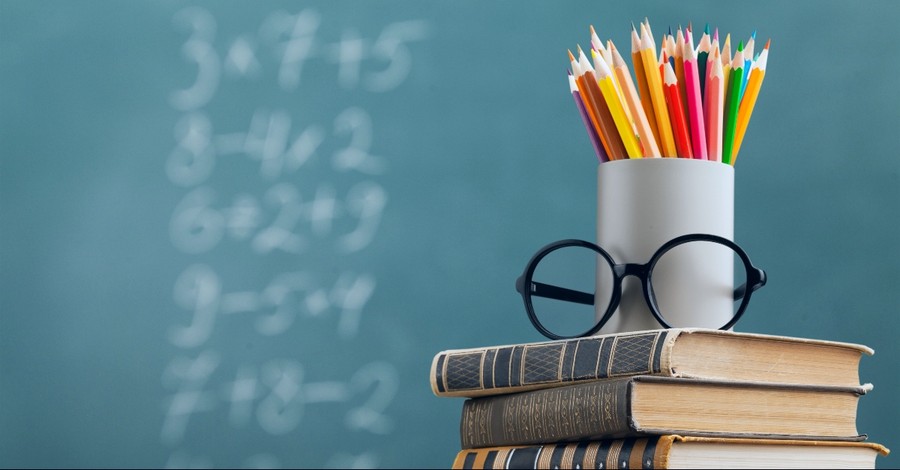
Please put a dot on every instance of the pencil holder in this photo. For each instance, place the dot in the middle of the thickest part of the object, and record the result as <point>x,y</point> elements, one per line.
<point>641,205</point>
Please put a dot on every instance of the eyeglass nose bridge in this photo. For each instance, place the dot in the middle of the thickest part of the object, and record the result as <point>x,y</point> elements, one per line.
<point>640,271</point>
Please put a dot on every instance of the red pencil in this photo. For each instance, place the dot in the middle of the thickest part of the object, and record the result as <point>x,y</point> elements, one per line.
<point>676,113</point>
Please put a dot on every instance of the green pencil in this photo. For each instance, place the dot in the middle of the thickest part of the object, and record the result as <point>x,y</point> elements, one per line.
<point>732,104</point>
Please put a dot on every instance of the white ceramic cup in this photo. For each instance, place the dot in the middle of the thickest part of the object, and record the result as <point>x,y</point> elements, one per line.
<point>642,204</point>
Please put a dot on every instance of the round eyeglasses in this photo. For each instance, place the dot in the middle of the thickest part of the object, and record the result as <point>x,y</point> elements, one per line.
<point>571,288</point>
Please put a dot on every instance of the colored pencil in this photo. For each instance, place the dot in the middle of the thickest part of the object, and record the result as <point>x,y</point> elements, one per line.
<point>757,74</point>
<point>703,50</point>
<point>609,134</point>
<point>643,88</point>
<point>586,100</point>
<point>715,100</point>
<point>654,83</point>
<point>648,142</point>
<point>597,58</point>
<point>679,123</point>
<point>748,61</point>
<point>726,61</point>
<point>687,101</point>
<point>585,117</point>
<point>611,96</point>
<point>679,64</point>
<point>732,101</point>
<point>694,102</point>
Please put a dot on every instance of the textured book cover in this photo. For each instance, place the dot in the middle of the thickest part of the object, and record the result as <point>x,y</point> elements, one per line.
<point>636,406</point>
<point>698,353</point>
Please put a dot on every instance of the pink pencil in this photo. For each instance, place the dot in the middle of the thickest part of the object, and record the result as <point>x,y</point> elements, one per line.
<point>694,103</point>
<point>715,102</point>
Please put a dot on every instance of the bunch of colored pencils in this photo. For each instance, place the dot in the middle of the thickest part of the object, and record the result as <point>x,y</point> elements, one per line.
<point>688,102</point>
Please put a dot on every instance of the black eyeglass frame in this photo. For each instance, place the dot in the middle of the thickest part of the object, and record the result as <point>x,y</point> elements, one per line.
<point>756,278</point>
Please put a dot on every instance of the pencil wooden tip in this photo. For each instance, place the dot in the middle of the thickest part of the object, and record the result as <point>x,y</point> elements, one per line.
<point>592,30</point>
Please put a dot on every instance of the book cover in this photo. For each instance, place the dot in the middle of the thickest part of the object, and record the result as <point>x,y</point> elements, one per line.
<point>674,451</point>
<point>642,405</point>
<point>697,353</point>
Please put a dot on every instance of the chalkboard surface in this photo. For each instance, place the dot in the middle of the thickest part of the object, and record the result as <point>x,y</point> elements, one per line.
<point>234,234</point>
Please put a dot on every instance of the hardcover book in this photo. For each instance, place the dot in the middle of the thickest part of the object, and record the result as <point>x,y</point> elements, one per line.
<point>689,353</point>
<point>674,451</point>
<point>642,405</point>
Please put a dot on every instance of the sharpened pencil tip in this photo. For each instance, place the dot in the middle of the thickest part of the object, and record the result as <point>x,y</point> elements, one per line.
<point>740,46</point>
<point>706,29</point>
<point>767,44</point>
<point>571,57</point>
<point>753,36</point>
<point>592,30</point>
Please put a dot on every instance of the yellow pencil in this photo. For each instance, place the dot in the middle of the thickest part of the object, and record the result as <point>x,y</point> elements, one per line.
<point>654,83</point>
<point>726,59</point>
<point>754,83</point>
<point>611,96</point>
<point>645,132</point>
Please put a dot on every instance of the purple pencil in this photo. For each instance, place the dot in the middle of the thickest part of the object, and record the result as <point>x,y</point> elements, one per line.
<point>592,133</point>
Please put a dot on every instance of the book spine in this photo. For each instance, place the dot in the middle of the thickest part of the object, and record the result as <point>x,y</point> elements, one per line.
<point>633,453</point>
<point>592,410</point>
<point>506,369</point>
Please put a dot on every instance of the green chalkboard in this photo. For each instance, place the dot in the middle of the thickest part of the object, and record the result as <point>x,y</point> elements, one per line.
<point>234,234</point>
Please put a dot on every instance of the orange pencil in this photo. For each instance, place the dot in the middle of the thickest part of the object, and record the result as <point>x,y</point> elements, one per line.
<point>757,73</point>
<point>676,112</point>
<point>643,88</point>
<point>641,123</point>
<point>654,83</point>
<point>679,65</point>
<point>715,103</point>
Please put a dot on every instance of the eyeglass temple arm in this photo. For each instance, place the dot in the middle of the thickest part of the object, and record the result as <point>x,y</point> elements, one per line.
<point>741,290</point>
<point>561,293</point>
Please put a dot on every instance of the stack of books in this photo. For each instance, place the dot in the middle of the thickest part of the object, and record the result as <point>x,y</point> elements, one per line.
<point>676,398</point>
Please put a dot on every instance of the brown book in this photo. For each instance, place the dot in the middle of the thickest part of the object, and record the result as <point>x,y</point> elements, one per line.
<point>695,353</point>
<point>673,451</point>
<point>635,406</point>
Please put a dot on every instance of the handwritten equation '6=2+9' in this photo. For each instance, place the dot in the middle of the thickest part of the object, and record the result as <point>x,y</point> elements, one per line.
<point>377,65</point>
